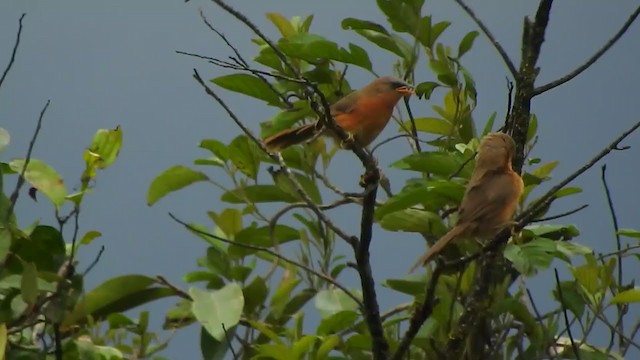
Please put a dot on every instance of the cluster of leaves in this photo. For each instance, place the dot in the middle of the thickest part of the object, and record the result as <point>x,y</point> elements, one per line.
<point>43,308</point>
<point>238,303</point>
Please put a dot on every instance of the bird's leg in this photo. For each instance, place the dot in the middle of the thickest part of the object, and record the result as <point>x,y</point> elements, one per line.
<point>371,177</point>
<point>348,143</point>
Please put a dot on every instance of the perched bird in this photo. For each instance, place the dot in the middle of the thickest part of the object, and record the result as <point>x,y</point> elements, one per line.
<point>363,114</point>
<point>491,196</point>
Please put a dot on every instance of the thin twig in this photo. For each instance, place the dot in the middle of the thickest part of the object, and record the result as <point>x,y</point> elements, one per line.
<point>226,335</point>
<point>419,316</point>
<point>275,254</point>
<point>622,308</point>
<point>544,329</point>
<point>414,129</point>
<point>20,182</point>
<point>566,316</point>
<point>15,50</point>
<point>592,60</point>
<point>94,262</point>
<point>561,215</point>
<point>604,152</point>
<point>241,59</point>
<point>179,292</point>
<point>503,54</point>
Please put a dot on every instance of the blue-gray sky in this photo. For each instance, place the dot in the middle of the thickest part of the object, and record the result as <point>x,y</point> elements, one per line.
<point>104,63</point>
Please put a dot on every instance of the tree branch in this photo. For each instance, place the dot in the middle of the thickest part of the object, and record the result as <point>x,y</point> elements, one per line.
<point>15,50</point>
<point>20,182</point>
<point>592,60</point>
<point>503,54</point>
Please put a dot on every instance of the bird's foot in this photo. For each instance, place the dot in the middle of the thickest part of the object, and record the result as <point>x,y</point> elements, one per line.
<point>370,177</point>
<point>348,142</point>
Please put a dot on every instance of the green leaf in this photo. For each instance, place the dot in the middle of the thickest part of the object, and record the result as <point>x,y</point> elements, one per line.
<point>412,285</point>
<point>244,155</point>
<point>5,139</point>
<point>313,48</point>
<point>248,85</point>
<point>42,177</point>
<point>89,237</point>
<point>489,125</point>
<point>378,35</point>
<point>255,294</point>
<point>283,25</point>
<point>282,294</point>
<point>425,89</point>
<point>261,236</point>
<point>29,283</point>
<point>328,344</point>
<point>432,126</point>
<point>333,301</point>
<point>287,185</point>
<point>544,170</point>
<point>466,43</point>
<point>531,257</point>
<point>104,148</point>
<point>629,233</point>
<point>285,119</point>
<point>44,247</point>
<point>337,322</point>
<point>571,298</point>
<point>437,163</point>
<point>258,194</point>
<point>118,294</point>
<point>218,310</point>
<point>303,346</point>
<point>229,221</point>
<point>413,220</point>
<point>404,16</point>
<point>436,192</point>
<point>627,296</point>
<point>5,242</point>
<point>213,349</point>
<point>567,191</point>
<point>216,147</point>
<point>173,179</point>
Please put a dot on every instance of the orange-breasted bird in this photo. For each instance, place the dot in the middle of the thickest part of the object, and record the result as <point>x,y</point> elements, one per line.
<point>491,196</point>
<point>363,114</point>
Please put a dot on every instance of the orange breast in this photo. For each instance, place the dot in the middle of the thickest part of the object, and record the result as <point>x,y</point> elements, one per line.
<point>368,118</point>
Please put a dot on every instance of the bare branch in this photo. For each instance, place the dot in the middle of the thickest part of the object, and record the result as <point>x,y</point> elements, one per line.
<point>15,50</point>
<point>576,352</point>
<point>592,60</point>
<point>179,292</point>
<point>503,54</point>
<point>20,182</point>
<point>371,307</point>
<point>622,308</point>
<point>561,215</point>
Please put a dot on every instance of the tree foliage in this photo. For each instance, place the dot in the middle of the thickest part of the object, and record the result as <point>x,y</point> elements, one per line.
<point>275,259</point>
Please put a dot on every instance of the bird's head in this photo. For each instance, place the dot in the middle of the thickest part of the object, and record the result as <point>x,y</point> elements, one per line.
<point>390,86</point>
<point>496,150</point>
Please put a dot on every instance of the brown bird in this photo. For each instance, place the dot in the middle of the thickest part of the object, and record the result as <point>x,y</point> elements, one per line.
<point>491,196</point>
<point>363,114</point>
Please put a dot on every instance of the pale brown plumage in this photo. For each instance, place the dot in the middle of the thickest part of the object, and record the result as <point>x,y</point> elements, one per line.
<point>363,114</point>
<point>491,196</point>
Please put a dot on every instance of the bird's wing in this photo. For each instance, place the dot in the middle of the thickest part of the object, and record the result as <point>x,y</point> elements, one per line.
<point>488,198</point>
<point>345,105</point>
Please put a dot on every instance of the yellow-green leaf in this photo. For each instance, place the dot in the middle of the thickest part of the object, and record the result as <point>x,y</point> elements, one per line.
<point>172,179</point>
<point>44,178</point>
<point>627,296</point>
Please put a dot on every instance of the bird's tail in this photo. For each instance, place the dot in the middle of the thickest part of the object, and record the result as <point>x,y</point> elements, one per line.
<point>438,246</point>
<point>289,137</point>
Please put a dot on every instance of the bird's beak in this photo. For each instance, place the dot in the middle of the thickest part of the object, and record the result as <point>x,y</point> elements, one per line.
<point>405,90</point>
